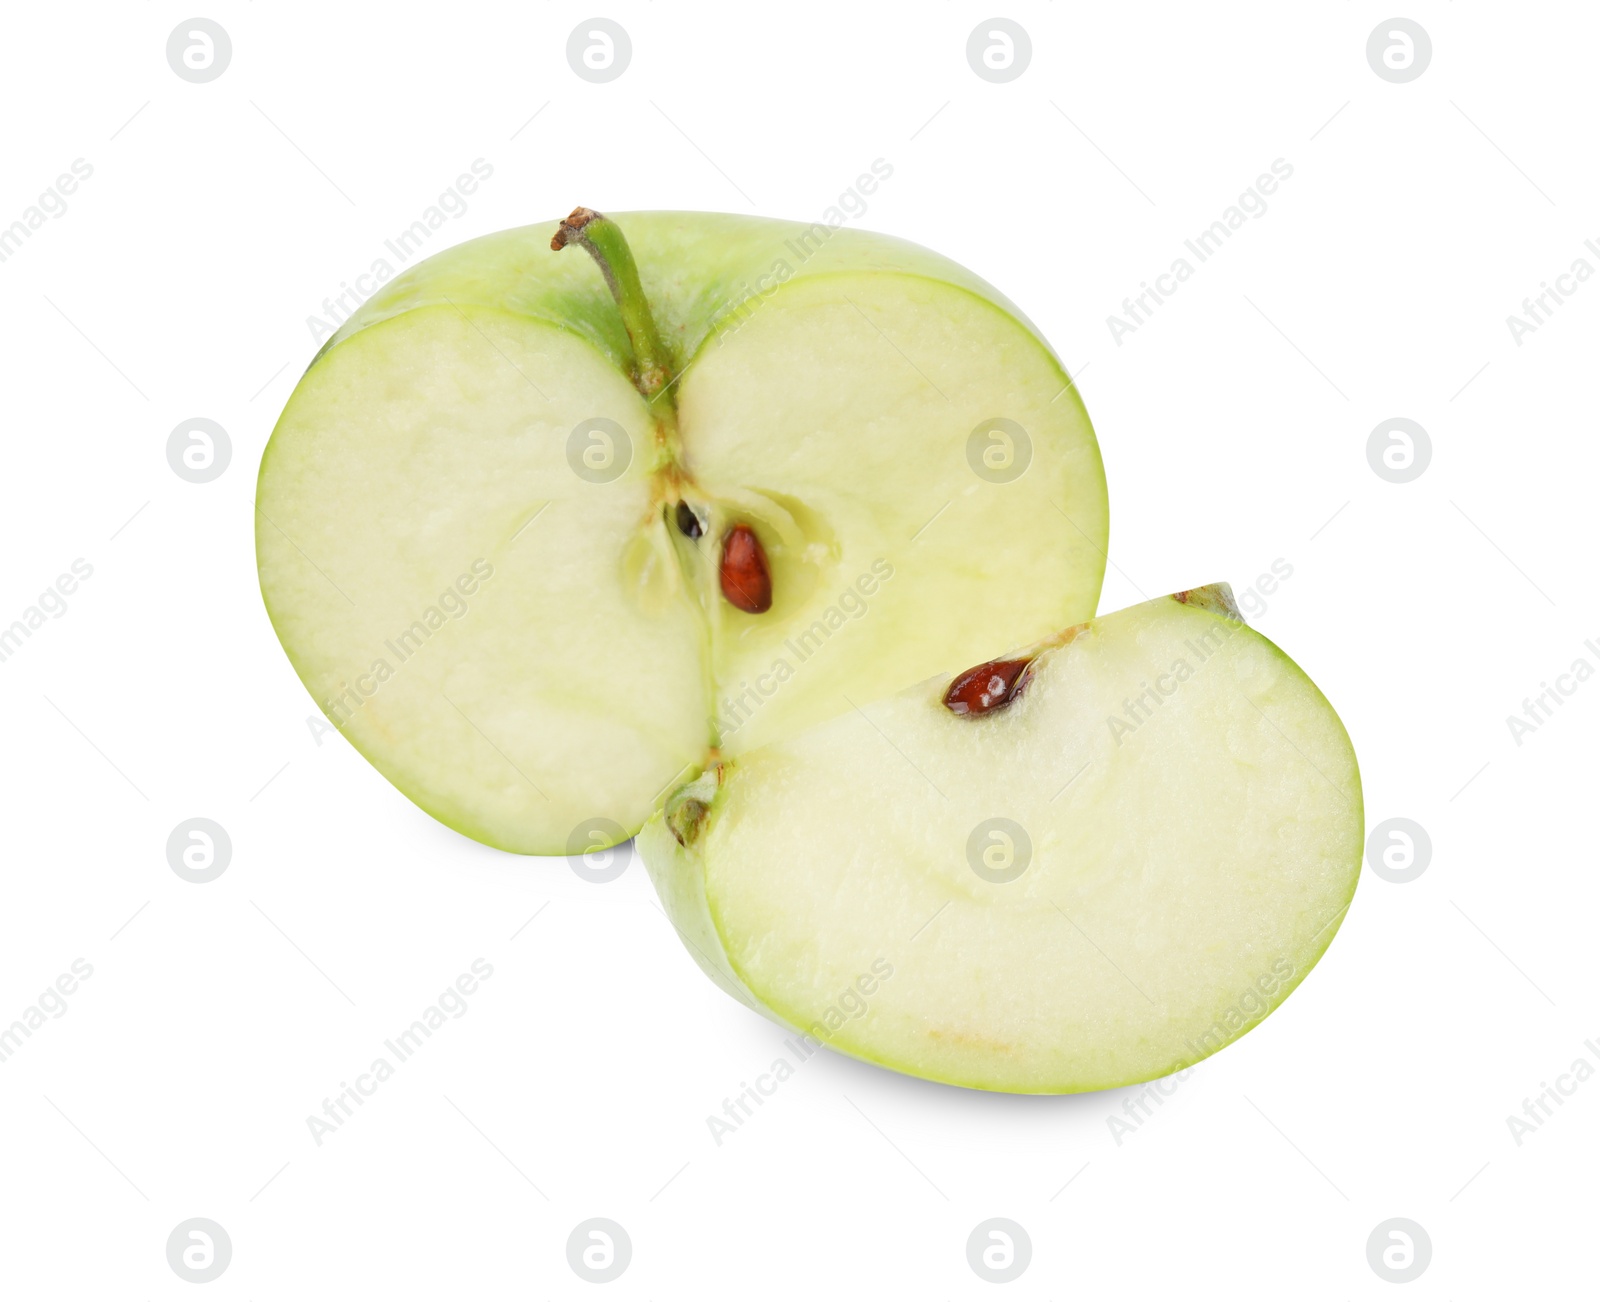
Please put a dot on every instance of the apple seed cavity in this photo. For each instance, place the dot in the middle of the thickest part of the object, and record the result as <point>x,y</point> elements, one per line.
<point>688,522</point>
<point>987,687</point>
<point>746,580</point>
<point>686,819</point>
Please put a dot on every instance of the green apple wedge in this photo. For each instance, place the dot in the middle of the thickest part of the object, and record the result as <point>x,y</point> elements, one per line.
<point>542,525</point>
<point>1090,863</point>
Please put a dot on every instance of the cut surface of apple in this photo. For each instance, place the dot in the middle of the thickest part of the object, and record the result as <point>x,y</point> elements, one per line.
<point>499,555</point>
<point>1089,872</point>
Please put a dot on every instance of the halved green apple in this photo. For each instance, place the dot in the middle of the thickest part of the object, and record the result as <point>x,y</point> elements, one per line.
<point>504,520</point>
<point>1092,862</point>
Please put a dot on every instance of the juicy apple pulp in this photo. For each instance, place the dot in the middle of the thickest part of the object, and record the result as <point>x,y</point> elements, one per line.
<point>537,546</point>
<point>1089,864</point>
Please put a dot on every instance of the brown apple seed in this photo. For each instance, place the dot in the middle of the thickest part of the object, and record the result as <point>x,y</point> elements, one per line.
<point>746,580</point>
<point>688,521</point>
<point>987,687</point>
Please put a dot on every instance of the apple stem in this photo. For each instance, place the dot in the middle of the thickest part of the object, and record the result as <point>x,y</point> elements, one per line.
<point>603,240</point>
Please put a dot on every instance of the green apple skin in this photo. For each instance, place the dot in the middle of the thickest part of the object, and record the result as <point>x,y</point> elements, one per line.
<point>1217,871</point>
<point>697,270</point>
<point>376,460</point>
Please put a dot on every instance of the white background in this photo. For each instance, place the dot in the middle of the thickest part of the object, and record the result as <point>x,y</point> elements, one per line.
<point>218,1016</point>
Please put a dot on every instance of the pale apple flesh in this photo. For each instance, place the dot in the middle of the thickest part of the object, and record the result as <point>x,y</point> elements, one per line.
<point>1191,836</point>
<point>598,663</point>
<point>554,691</point>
